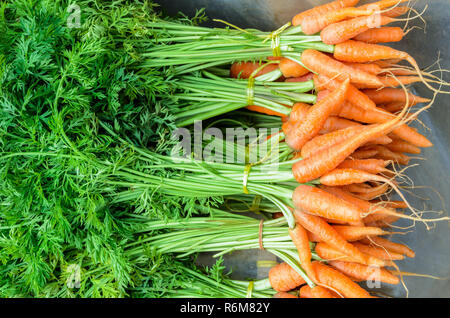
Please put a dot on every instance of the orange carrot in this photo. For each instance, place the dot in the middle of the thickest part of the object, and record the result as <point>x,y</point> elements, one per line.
<point>322,292</point>
<point>331,221</point>
<point>323,9</point>
<point>356,233</point>
<point>326,252</point>
<point>355,97</point>
<point>372,212</point>
<point>387,154</point>
<point>317,115</point>
<point>393,82</point>
<point>324,141</point>
<point>312,24</point>
<point>385,222</point>
<point>388,95</point>
<point>328,159</point>
<point>313,237</point>
<point>381,35</point>
<point>374,218</point>
<point>340,177</point>
<point>381,5</point>
<point>263,110</point>
<point>374,166</point>
<point>379,115</point>
<point>316,292</point>
<point>396,70</point>
<point>334,123</point>
<point>245,69</point>
<point>338,281</point>
<point>361,52</point>
<point>379,252</point>
<point>393,107</point>
<point>304,78</point>
<point>299,112</point>
<point>342,31</point>
<point>370,68</point>
<point>322,94</point>
<point>364,154</point>
<point>391,204</point>
<point>305,292</point>
<point>348,176</point>
<point>390,246</point>
<point>290,68</point>
<point>360,187</point>
<point>403,146</point>
<point>321,142</point>
<point>326,233</point>
<point>283,278</point>
<point>300,239</point>
<point>396,12</point>
<point>387,63</point>
<point>370,193</point>
<point>284,295</point>
<point>321,203</point>
<point>365,272</point>
<point>325,65</point>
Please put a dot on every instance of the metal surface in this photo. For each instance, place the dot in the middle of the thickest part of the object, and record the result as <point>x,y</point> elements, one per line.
<point>432,246</point>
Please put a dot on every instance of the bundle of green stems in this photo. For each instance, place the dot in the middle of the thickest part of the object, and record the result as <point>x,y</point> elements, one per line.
<point>221,233</point>
<point>208,95</point>
<point>188,48</point>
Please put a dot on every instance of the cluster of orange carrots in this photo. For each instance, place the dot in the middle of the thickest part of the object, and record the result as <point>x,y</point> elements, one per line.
<point>346,141</point>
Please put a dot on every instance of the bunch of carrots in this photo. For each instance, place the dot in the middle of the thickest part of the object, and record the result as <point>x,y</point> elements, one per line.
<point>346,141</point>
<point>339,148</point>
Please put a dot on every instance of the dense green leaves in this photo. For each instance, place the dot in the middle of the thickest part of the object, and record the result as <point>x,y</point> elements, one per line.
<point>57,85</point>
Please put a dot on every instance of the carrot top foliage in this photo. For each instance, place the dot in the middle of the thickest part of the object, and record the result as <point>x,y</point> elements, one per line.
<point>57,85</point>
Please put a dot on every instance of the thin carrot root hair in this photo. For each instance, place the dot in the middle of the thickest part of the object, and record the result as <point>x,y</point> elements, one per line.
<point>388,253</point>
<point>426,82</point>
<point>406,109</point>
<point>425,127</point>
<point>424,211</point>
<point>417,217</point>
<point>402,176</point>
<point>418,158</point>
<point>402,70</point>
<point>409,14</point>
<point>441,198</point>
<point>410,29</point>
<point>408,70</point>
<point>419,15</point>
<point>373,12</point>
<point>415,194</point>
<point>418,275</point>
<point>390,182</point>
<point>395,233</point>
<point>397,227</point>
<point>418,214</point>
<point>373,194</point>
<point>397,269</point>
